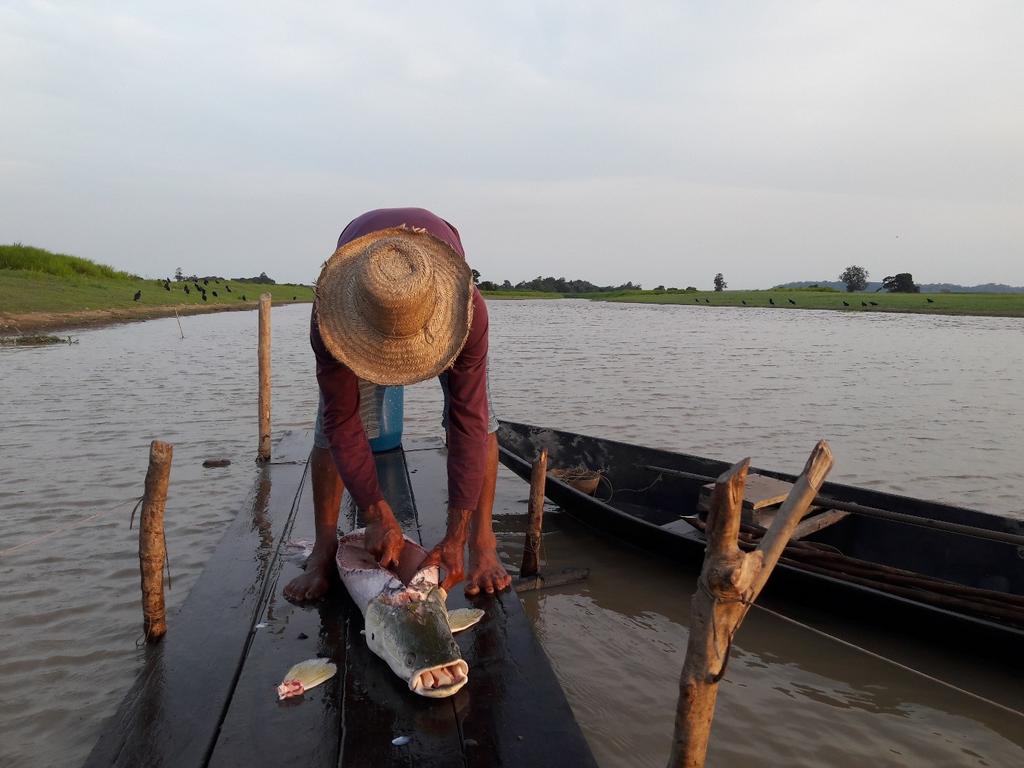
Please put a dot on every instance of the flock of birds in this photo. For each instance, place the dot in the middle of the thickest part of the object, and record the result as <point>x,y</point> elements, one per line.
<point>200,289</point>
<point>771,301</point>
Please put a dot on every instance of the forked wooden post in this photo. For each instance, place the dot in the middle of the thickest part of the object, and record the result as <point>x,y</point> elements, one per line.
<point>729,583</point>
<point>264,365</point>
<point>152,544</point>
<point>535,516</point>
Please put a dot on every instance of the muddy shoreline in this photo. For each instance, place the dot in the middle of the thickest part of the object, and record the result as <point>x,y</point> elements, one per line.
<point>15,324</point>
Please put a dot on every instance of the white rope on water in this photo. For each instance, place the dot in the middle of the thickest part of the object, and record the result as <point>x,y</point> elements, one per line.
<point>71,527</point>
<point>904,667</point>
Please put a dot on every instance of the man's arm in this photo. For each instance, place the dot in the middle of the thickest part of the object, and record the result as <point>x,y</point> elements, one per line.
<point>467,443</point>
<point>351,451</point>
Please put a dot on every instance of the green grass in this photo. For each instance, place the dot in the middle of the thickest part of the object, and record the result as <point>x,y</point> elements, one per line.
<point>995,304</point>
<point>34,280</point>
<point>28,259</point>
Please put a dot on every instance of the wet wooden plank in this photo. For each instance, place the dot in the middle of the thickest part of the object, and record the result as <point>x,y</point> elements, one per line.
<point>513,711</point>
<point>378,707</point>
<point>257,728</point>
<point>209,697</point>
<point>171,714</point>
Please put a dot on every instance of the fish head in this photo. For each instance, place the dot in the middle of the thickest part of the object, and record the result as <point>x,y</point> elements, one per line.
<point>408,628</point>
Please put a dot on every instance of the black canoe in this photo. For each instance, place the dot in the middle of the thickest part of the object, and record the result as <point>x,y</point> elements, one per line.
<point>902,577</point>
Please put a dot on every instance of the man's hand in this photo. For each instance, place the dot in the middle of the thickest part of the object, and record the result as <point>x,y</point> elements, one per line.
<point>384,538</point>
<point>448,554</point>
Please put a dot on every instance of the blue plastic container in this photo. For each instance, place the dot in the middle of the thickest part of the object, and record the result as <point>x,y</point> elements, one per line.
<point>389,403</point>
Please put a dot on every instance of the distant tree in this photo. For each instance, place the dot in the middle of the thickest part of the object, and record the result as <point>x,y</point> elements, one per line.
<point>179,275</point>
<point>856,278</point>
<point>901,283</point>
<point>720,284</point>
<point>506,285</point>
<point>487,285</point>
<point>476,277</point>
<point>690,289</point>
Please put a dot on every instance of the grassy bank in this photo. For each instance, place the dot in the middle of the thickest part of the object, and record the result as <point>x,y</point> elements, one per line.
<point>43,290</point>
<point>513,294</point>
<point>991,304</point>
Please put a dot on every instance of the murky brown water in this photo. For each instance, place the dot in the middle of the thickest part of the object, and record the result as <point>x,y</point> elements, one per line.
<point>927,406</point>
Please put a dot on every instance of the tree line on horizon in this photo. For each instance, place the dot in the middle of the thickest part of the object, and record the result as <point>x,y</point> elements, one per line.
<point>553,285</point>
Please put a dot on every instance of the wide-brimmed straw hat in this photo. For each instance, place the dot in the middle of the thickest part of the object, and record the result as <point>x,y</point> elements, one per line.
<point>395,305</point>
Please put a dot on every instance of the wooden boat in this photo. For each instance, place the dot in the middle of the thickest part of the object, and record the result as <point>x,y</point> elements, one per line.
<point>903,563</point>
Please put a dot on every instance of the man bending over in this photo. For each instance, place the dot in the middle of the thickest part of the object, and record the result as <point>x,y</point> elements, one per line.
<point>394,305</point>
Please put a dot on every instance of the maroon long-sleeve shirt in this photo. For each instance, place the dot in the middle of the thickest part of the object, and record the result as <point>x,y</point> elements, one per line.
<point>467,386</point>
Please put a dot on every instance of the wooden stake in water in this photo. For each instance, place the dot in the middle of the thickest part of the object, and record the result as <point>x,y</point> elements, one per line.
<point>535,517</point>
<point>729,583</point>
<point>264,365</point>
<point>179,323</point>
<point>152,543</point>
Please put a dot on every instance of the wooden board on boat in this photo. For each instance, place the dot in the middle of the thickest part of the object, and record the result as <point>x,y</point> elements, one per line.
<point>239,634</point>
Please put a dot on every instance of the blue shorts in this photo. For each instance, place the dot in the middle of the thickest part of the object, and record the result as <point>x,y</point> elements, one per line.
<point>372,395</point>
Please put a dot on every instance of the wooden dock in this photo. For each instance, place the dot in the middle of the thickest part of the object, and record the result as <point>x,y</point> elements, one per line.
<point>206,695</point>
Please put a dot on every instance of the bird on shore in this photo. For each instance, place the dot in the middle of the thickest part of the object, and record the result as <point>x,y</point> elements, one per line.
<point>167,286</point>
<point>772,302</point>
<point>791,301</point>
<point>696,301</point>
<point>743,302</point>
<point>930,301</point>
<point>863,303</point>
<point>187,291</point>
<point>873,303</point>
<point>204,297</point>
<point>214,294</point>
<point>846,303</point>
<point>707,301</point>
<point>243,297</point>
<point>295,298</point>
<point>205,281</point>
<point>227,287</point>
<point>138,295</point>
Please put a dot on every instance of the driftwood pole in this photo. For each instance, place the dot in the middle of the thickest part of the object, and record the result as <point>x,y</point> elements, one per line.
<point>729,583</point>
<point>152,544</point>
<point>264,364</point>
<point>535,516</point>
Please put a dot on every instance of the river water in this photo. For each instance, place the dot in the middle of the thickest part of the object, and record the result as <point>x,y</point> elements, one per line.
<point>921,405</point>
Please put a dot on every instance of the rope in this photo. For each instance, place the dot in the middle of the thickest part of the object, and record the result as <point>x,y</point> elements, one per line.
<point>76,524</point>
<point>880,657</point>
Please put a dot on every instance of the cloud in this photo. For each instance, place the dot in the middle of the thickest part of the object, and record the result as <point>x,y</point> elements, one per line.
<point>773,139</point>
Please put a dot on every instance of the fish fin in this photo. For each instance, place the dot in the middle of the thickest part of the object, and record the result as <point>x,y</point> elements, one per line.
<point>464,618</point>
<point>305,675</point>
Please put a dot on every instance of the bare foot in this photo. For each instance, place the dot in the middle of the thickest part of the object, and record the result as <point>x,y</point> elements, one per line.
<point>486,572</point>
<point>318,578</point>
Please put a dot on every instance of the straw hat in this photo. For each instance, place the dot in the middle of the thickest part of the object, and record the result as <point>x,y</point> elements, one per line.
<point>395,305</point>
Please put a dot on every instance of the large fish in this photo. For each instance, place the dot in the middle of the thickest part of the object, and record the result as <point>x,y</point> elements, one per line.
<point>407,622</point>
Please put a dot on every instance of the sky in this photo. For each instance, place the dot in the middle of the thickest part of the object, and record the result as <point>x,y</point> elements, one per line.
<point>656,142</point>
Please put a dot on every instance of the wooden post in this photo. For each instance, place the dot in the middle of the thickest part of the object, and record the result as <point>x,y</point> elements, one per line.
<point>152,544</point>
<point>264,365</point>
<point>535,516</point>
<point>729,583</point>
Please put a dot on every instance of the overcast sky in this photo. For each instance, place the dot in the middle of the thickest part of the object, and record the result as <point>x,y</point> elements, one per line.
<point>653,142</point>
